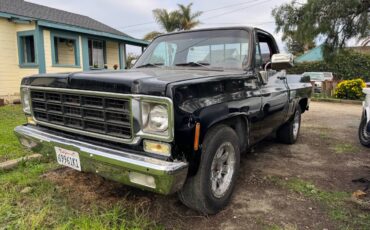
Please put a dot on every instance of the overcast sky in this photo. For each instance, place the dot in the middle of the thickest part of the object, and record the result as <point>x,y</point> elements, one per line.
<point>124,15</point>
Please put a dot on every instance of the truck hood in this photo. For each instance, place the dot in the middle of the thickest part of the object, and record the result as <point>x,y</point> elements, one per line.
<point>150,81</point>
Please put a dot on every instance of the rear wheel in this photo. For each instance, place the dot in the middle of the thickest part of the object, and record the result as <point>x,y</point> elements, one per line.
<point>363,134</point>
<point>211,188</point>
<point>288,133</point>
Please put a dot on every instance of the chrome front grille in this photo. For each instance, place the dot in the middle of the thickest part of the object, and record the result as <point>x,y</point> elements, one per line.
<point>88,114</point>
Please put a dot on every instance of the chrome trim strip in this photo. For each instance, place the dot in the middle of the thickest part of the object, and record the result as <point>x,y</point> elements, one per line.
<point>134,100</point>
<point>90,134</point>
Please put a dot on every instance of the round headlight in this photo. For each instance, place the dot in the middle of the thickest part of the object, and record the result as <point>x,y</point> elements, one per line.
<point>158,118</point>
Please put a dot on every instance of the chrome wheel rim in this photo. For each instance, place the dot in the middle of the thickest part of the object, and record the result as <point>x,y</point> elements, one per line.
<point>296,124</point>
<point>222,169</point>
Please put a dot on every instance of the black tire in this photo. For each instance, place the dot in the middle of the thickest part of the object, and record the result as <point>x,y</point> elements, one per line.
<point>287,133</point>
<point>197,192</point>
<point>363,134</point>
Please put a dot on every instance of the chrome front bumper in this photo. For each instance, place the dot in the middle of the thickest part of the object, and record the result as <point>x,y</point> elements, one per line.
<point>112,164</point>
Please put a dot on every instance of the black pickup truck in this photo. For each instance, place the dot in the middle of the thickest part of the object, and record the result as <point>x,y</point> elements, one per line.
<point>178,121</point>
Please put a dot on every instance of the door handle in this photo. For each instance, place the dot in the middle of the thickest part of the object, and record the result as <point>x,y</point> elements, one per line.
<point>265,94</point>
<point>282,77</point>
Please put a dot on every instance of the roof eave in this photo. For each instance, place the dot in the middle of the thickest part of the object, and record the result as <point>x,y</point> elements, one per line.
<point>7,15</point>
<point>128,40</point>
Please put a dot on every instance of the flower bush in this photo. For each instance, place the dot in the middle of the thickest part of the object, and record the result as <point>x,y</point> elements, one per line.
<point>350,89</point>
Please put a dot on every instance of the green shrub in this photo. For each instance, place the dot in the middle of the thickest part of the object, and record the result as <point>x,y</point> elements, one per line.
<point>350,89</point>
<point>345,65</point>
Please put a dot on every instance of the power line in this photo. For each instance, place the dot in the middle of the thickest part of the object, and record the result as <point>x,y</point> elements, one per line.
<point>216,23</point>
<point>214,16</point>
<point>231,5</point>
<point>140,24</point>
<point>204,12</point>
<point>232,11</point>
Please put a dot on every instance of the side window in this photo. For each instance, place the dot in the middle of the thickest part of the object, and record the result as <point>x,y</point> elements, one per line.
<point>26,48</point>
<point>265,52</point>
<point>164,54</point>
<point>265,49</point>
<point>258,56</point>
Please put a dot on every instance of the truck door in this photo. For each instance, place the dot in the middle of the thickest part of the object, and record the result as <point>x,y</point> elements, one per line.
<point>274,92</point>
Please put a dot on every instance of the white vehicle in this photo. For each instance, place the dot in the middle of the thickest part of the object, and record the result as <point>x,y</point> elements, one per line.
<point>364,129</point>
<point>318,78</point>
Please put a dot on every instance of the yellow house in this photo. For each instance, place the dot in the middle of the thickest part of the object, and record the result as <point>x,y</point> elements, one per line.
<point>37,39</point>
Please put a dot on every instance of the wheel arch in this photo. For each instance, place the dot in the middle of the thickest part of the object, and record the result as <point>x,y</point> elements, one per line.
<point>212,116</point>
<point>238,121</point>
<point>303,104</point>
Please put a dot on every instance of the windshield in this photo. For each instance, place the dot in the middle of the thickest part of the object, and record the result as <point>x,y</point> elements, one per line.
<point>223,49</point>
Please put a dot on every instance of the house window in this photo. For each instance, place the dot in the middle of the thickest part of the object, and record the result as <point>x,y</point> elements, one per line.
<point>27,49</point>
<point>65,51</point>
<point>28,54</point>
<point>97,51</point>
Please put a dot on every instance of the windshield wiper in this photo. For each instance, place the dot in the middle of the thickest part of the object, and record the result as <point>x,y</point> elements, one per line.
<point>199,64</point>
<point>194,64</point>
<point>150,65</point>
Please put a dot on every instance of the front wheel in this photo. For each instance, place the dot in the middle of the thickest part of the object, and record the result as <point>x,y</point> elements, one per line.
<point>211,188</point>
<point>363,133</point>
<point>288,133</point>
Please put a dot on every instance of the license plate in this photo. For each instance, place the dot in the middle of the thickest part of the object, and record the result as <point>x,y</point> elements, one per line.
<point>68,158</point>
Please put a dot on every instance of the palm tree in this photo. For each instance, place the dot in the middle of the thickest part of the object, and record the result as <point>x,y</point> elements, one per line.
<point>188,19</point>
<point>169,21</point>
<point>151,35</point>
<point>182,19</point>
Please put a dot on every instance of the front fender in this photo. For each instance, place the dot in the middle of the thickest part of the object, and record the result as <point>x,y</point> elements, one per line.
<point>212,115</point>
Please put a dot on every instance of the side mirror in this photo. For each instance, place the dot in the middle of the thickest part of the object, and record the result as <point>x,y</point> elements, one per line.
<point>264,77</point>
<point>133,61</point>
<point>281,61</point>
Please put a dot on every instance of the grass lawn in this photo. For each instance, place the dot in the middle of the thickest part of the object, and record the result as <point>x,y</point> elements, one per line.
<point>10,116</point>
<point>28,201</point>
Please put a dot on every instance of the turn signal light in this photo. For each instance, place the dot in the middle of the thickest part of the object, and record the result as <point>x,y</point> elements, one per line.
<point>30,120</point>
<point>157,147</point>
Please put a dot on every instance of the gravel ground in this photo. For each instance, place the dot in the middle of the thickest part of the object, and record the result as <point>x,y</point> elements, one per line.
<point>298,186</point>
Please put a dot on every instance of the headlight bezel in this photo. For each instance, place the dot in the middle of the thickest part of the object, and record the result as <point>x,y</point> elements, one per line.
<point>26,100</point>
<point>151,114</point>
<point>165,135</point>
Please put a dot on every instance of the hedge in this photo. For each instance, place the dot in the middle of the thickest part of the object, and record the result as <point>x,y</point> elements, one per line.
<point>350,89</point>
<point>346,65</point>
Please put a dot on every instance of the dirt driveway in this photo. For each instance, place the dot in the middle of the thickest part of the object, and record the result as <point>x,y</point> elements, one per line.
<point>301,186</point>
